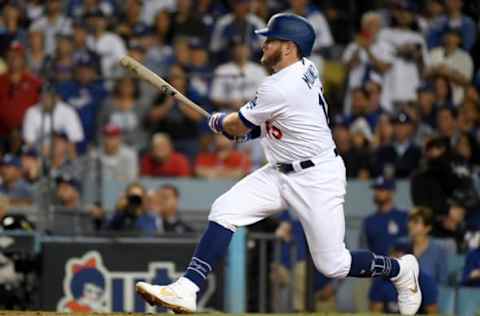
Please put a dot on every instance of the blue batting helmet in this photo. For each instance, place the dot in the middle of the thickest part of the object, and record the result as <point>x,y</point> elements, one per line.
<point>291,27</point>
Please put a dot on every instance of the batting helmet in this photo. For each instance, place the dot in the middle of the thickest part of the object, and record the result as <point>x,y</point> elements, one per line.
<point>291,27</point>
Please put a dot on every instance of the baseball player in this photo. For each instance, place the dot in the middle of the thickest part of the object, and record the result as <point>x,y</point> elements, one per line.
<point>304,173</point>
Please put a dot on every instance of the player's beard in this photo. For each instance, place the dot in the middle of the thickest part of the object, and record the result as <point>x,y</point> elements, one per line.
<point>272,60</point>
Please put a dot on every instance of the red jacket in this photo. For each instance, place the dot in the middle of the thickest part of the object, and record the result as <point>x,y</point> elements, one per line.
<point>15,99</point>
<point>176,166</point>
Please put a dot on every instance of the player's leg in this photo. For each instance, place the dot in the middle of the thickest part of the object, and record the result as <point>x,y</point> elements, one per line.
<point>250,200</point>
<point>317,195</point>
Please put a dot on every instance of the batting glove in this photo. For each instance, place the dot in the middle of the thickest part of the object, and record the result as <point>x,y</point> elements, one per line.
<point>215,122</point>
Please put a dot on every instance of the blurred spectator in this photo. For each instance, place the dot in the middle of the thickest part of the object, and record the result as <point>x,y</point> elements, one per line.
<point>181,52</point>
<point>37,58</point>
<point>236,82</point>
<point>382,228</point>
<point>79,8</point>
<point>68,192</point>
<point>81,51</point>
<point>366,54</point>
<point>373,88</point>
<point>159,57</point>
<point>10,221</point>
<point>223,161</point>
<point>13,185</point>
<point>118,161</point>
<point>361,106</point>
<point>31,164</point>
<point>384,131</point>
<point>186,23</point>
<point>453,63</point>
<point>109,46</point>
<point>471,270</point>
<point>430,254</point>
<point>168,212</point>
<point>443,92</point>
<point>131,214</point>
<point>11,26</point>
<point>425,114</point>
<point>19,90</point>
<point>34,9</point>
<point>53,23</point>
<point>38,125</point>
<point>447,123</point>
<point>383,295</point>
<point>86,94</point>
<point>124,110</point>
<point>241,23</point>
<point>163,161</point>
<point>63,62</point>
<point>61,156</point>
<point>451,225</point>
<point>200,73</point>
<point>433,10</point>
<point>175,118</point>
<point>354,151</point>
<point>130,24</point>
<point>454,18</point>
<point>400,158</point>
<point>410,57</point>
<point>151,8</point>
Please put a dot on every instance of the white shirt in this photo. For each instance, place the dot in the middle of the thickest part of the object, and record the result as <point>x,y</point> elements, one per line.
<point>291,109</point>
<point>231,83</point>
<point>151,8</point>
<point>111,48</point>
<point>64,119</point>
<point>459,61</point>
<point>61,26</point>
<point>402,80</point>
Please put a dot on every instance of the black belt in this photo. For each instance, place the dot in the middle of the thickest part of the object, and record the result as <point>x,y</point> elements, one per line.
<point>288,167</point>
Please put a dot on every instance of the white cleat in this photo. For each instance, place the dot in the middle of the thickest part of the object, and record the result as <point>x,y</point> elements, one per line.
<point>408,288</point>
<point>173,296</point>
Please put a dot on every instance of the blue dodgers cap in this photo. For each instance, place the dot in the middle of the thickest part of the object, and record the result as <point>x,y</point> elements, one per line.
<point>426,87</point>
<point>29,151</point>
<point>68,179</point>
<point>402,118</point>
<point>11,160</point>
<point>382,183</point>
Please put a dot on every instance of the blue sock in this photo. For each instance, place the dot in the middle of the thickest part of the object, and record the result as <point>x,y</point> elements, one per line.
<point>212,247</point>
<point>366,264</point>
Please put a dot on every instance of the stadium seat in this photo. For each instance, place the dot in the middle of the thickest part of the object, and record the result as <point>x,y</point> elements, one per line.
<point>468,301</point>
<point>446,300</point>
<point>455,265</point>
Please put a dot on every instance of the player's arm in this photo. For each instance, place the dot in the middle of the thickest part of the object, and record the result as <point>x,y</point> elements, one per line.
<point>233,127</point>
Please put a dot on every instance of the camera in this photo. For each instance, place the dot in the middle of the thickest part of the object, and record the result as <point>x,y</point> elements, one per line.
<point>134,201</point>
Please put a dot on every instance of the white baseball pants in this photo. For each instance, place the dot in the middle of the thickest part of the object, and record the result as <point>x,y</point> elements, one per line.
<point>315,194</point>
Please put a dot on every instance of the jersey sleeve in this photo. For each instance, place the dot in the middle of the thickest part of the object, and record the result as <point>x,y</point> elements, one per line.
<point>267,102</point>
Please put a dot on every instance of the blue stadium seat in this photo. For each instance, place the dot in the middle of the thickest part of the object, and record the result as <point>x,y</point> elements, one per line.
<point>468,301</point>
<point>446,300</point>
<point>455,265</point>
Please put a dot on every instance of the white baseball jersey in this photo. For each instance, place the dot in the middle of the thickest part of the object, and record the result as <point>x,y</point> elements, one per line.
<point>290,108</point>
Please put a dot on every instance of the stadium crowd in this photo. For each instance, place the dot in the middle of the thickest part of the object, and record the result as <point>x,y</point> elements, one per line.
<point>402,80</point>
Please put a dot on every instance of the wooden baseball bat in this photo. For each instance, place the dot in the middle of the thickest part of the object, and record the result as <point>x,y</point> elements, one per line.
<point>146,74</point>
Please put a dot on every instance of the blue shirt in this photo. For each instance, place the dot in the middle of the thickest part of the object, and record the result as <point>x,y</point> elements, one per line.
<point>20,190</point>
<point>472,262</point>
<point>433,262</point>
<point>442,24</point>
<point>383,229</point>
<point>383,291</point>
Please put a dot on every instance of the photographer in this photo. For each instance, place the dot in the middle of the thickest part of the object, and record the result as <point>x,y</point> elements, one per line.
<point>130,214</point>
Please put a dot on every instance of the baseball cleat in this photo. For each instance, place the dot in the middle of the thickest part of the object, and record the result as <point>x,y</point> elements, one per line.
<point>408,288</point>
<point>173,296</point>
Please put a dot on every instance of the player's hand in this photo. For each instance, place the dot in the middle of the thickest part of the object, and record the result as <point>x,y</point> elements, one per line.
<point>215,122</point>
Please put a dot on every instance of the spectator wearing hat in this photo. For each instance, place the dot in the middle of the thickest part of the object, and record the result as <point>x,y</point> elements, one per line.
<point>240,23</point>
<point>81,52</point>
<point>53,23</point>
<point>455,18</point>
<point>401,158</point>
<point>236,82</point>
<point>118,161</point>
<point>410,56</point>
<point>109,46</point>
<point>85,93</point>
<point>13,185</point>
<point>383,295</point>
<point>38,125</point>
<point>130,22</point>
<point>354,150</point>
<point>223,162</point>
<point>68,192</point>
<point>31,164</point>
<point>453,63</point>
<point>77,9</point>
<point>471,270</point>
<point>61,155</point>
<point>431,255</point>
<point>388,223</point>
<point>163,161</point>
<point>169,217</point>
<point>125,110</point>
<point>366,55</point>
<point>170,116</point>
<point>19,90</point>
